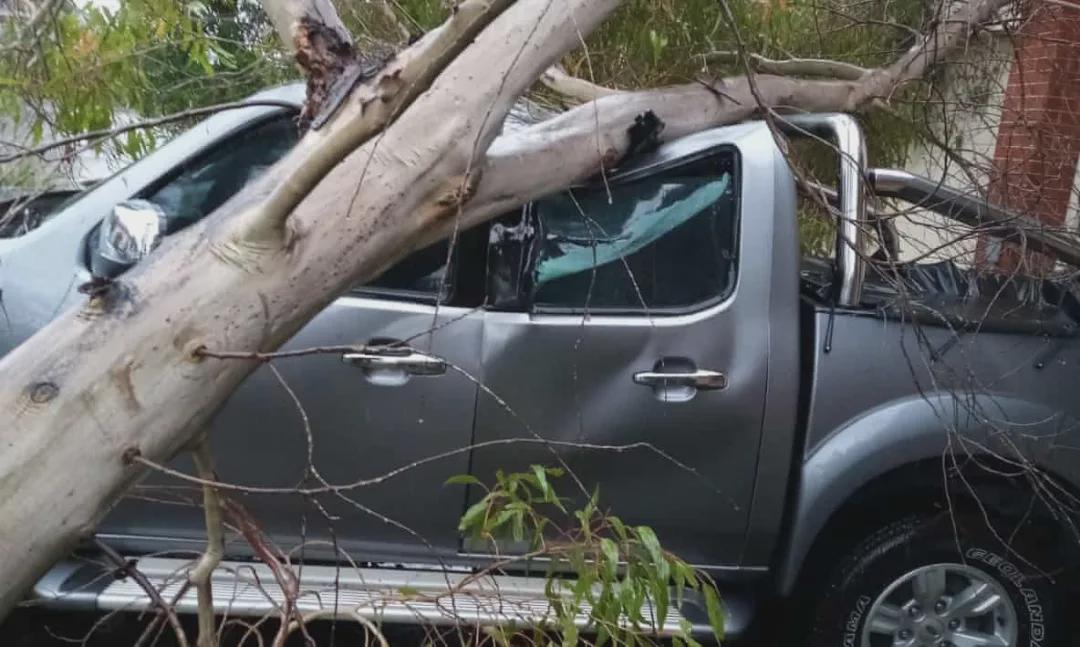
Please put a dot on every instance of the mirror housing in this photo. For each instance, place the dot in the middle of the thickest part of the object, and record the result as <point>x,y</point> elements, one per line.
<point>127,235</point>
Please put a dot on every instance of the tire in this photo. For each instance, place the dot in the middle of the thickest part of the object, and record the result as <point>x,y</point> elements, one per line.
<point>871,598</point>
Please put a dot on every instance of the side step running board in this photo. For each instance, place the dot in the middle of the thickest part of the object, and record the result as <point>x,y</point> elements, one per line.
<point>377,594</point>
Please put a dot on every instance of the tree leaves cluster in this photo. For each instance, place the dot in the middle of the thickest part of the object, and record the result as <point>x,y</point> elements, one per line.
<point>616,574</point>
<point>99,64</point>
<point>94,66</point>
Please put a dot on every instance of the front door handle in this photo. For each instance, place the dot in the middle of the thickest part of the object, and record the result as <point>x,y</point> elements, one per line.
<point>701,379</point>
<point>405,360</point>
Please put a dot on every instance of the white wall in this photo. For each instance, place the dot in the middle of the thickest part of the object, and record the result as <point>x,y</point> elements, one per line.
<point>971,98</point>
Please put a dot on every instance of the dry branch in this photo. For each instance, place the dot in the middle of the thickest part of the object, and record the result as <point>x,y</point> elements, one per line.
<point>573,87</point>
<point>818,67</point>
<point>203,573</point>
<point>129,569</point>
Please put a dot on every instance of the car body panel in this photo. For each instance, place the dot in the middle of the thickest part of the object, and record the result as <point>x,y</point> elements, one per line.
<point>359,431</point>
<point>569,378</point>
<point>880,403</point>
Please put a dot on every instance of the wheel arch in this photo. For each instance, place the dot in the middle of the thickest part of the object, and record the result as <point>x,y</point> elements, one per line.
<point>870,460</point>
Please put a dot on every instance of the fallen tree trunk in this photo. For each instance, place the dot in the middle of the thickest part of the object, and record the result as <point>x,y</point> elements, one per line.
<point>408,157</point>
<point>122,376</point>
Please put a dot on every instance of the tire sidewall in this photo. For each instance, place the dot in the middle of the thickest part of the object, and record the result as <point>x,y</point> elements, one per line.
<point>913,543</point>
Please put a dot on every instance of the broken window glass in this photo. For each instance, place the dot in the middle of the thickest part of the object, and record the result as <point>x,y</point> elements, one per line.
<point>664,241</point>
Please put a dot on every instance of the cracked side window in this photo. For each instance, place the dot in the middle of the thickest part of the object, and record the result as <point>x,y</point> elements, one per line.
<point>666,241</point>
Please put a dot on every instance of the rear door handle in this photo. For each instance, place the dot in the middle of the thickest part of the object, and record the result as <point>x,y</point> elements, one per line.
<point>701,379</point>
<point>405,360</point>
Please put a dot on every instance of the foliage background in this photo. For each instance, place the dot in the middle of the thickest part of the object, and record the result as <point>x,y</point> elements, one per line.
<point>95,65</point>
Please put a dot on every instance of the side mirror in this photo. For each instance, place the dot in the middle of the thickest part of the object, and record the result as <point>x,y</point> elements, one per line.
<point>126,236</point>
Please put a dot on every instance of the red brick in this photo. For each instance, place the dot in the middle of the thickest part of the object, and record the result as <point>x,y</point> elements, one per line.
<point>1038,142</point>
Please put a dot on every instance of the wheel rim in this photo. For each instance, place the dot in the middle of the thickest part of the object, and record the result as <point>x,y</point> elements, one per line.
<point>942,605</point>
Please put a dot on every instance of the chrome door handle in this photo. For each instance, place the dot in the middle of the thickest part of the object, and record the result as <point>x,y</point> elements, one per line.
<point>406,361</point>
<point>702,379</point>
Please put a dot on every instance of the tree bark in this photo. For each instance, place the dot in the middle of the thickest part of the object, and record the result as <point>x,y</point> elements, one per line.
<point>407,157</point>
<point>322,45</point>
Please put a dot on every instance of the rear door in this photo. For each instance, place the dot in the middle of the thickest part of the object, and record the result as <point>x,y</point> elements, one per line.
<point>638,341</point>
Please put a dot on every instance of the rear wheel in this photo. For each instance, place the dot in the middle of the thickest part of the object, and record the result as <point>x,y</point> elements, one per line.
<point>938,581</point>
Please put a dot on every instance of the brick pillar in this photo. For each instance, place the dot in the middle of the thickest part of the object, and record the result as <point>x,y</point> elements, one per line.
<point>1038,139</point>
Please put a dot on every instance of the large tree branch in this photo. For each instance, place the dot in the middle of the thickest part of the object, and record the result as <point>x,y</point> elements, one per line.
<point>122,376</point>
<point>370,109</point>
<point>592,137</point>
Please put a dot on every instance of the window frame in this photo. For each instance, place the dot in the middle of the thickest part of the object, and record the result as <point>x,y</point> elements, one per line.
<point>527,304</point>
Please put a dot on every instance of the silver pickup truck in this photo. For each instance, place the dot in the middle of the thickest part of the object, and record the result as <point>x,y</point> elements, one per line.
<point>887,451</point>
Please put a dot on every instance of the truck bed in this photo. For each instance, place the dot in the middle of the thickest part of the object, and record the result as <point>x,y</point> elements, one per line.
<point>954,344</point>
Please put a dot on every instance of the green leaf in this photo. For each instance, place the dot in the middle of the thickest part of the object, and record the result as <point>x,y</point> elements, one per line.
<point>618,526</point>
<point>715,611</point>
<point>569,629</point>
<point>473,515</point>
<point>501,518</point>
<point>686,632</point>
<point>656,554</point>
<point>518,526</point>
<point>611,557</point>
<point>660,601</point>
<point>602,636</point>
<point>541,480</point>
<point>463,479</point>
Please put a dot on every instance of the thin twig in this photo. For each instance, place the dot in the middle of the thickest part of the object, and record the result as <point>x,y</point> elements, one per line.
<point>132,571</point>
<point>202,575</point>
<point>574,87</point>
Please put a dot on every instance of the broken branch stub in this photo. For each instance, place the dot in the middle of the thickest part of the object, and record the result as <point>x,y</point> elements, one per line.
<point>372,104</point>
<point>323,55</point>
<point>322,46</point>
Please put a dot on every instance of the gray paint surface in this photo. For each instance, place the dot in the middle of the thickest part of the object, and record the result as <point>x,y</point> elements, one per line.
<point>881,402</point>
<point>570,378</point>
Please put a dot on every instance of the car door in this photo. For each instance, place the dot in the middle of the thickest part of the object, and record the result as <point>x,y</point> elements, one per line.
<point>357,416</point>
<point>368,414</point>
<point>636,339</point>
